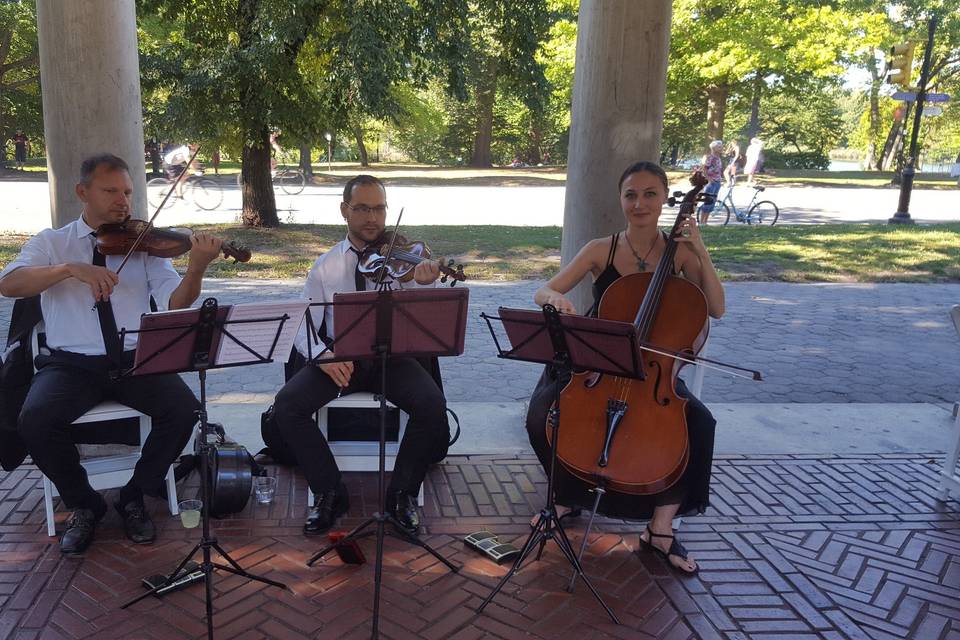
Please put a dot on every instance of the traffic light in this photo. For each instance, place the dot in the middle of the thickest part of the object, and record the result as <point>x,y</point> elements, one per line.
<point>900,64</point>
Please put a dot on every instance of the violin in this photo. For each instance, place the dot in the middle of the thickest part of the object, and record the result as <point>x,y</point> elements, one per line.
<point>626,434</point>
<point>404,255</point>
<point>118,239</point>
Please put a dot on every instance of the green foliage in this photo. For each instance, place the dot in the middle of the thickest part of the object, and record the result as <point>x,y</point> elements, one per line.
<point>20,103</point>
<point>776,159</point>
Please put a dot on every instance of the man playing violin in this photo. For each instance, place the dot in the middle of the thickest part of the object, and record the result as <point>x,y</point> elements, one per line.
<point>71,277</point>
<point>409,386</point>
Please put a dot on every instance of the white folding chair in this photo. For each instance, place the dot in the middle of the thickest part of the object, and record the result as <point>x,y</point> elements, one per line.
<point>107,471</point>
<point>950,479</point>
<point>360,455</point>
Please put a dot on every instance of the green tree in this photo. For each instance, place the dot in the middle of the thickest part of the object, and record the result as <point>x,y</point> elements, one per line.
<point>755,47</point>
<point>504,38</point>
<point>20,103</point>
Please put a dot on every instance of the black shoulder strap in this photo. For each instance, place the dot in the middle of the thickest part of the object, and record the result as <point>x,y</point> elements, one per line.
<point>613,248</point>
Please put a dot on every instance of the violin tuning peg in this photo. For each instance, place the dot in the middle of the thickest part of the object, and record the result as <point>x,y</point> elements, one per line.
<point>443,278</point>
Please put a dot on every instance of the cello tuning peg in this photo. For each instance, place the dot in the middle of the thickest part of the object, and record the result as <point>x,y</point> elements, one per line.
<point>443,278</point>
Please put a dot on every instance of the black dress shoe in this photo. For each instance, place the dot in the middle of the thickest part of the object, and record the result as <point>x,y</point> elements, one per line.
<point>79,533</point>
<point>136,522</point>
<point>327,507</point>
<point>403,507</point>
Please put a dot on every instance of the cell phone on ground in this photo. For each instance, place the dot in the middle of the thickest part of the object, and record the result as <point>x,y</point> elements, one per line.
<point>188,575</point>
<point>489,545</point>
<point>348,550</point>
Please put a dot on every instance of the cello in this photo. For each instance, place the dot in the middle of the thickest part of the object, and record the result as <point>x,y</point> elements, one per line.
<point>630,435</point>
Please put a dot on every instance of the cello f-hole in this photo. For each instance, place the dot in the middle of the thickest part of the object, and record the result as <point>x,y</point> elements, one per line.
<point>664,401</point>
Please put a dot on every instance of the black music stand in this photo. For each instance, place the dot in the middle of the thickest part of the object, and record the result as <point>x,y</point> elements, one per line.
<point>564,343</point>
<point>375,325</point>
<point>191,340</point>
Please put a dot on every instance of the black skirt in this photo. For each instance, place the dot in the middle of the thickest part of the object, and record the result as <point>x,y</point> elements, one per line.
<point>691,491</point>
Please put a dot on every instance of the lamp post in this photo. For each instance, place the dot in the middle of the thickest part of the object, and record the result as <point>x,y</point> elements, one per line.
<point>329,137</point>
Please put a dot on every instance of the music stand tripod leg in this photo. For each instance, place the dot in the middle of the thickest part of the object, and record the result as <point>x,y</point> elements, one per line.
<point>206,541</point>
<point>379,518</point>
<point>548,526</point>
<point>599,491</point>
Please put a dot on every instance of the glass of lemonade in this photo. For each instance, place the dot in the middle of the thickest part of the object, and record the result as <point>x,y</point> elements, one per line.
<point>190,513</point>
<point>264,487</point>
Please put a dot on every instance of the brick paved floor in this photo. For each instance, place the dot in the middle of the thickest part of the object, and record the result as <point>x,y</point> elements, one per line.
<point>793,547</point>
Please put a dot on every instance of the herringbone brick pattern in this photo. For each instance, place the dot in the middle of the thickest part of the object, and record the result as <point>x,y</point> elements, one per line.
<point>792,547</point>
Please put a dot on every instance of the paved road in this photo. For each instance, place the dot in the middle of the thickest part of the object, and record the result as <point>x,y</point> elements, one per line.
<point>26,205</point>
<point>814,343</point>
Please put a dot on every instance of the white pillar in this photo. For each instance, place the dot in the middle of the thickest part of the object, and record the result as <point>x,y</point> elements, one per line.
<point>617,113</point>
<point>90,82</point>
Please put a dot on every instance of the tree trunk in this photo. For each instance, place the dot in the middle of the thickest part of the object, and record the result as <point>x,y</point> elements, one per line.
<point>674,155</point>
<point>259,202</point>
<point>486,94</point>
<point>753,129</point>
<point>870,163</point>
<point>716,111</point>
<point>358,136</point>
<point>306,164</point>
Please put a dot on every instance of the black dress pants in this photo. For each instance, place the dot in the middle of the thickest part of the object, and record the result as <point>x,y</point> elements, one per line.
<point>409,387</point>
<point>68,385</point>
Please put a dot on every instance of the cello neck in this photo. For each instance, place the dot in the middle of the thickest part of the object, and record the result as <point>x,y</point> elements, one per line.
<point>651,300</point>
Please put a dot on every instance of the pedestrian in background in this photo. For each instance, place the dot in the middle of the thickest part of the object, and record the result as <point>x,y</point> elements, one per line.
<point>734,162</point>
<point>754,159</point>
<point>712,168</point>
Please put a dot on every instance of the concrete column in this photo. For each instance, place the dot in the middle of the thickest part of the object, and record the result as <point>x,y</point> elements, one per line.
<point>619,90</point>
<point>90,82</point>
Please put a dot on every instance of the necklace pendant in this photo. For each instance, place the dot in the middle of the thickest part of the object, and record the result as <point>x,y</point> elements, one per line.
<point>641,265</point>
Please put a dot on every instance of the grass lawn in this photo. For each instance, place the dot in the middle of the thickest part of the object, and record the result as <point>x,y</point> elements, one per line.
<point>853,179</point>
<point>808,253</point>
<point>554,175</point>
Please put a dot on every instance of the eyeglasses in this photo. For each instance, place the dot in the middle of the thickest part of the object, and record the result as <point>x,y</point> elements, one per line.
<point>380,209</point>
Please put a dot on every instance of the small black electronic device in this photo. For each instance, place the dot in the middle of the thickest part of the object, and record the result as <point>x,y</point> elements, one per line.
<point>489,545</point>
<point>348,550</point>
<point>188,575</point>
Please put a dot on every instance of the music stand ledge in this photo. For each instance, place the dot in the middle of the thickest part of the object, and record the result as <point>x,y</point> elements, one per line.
<point>193,340</point>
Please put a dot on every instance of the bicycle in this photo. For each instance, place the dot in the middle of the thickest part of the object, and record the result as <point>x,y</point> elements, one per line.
<point>763,212</point>
<point>204,192</point>
<point>290,180</point>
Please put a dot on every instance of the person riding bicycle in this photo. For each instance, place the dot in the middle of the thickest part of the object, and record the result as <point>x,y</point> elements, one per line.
<point>175,162</point>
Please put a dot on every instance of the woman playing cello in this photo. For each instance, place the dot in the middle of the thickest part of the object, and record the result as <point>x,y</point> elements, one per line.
<point>643,192</point>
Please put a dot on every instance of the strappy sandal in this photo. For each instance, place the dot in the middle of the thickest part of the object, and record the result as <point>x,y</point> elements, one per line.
<point>573,513</point>
<point>676,549</point>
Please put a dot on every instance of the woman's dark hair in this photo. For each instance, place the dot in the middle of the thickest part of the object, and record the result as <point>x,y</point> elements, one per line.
<point>649,167</point>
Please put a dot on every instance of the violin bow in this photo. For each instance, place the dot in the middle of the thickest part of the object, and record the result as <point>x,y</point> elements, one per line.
<point>393,241</point>
<point>149,225</point>
<point>716,365</point>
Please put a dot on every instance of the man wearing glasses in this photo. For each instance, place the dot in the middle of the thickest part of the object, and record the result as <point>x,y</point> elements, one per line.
<point>409,385</point>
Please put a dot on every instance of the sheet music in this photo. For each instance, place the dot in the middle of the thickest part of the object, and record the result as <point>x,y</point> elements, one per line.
<point>259,336</point>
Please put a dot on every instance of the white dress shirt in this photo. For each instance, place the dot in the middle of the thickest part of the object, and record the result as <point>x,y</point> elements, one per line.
<point>333,272</point>
<point>69,315</point>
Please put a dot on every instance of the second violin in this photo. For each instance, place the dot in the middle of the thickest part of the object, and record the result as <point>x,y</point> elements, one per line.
<point>405,255</point>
